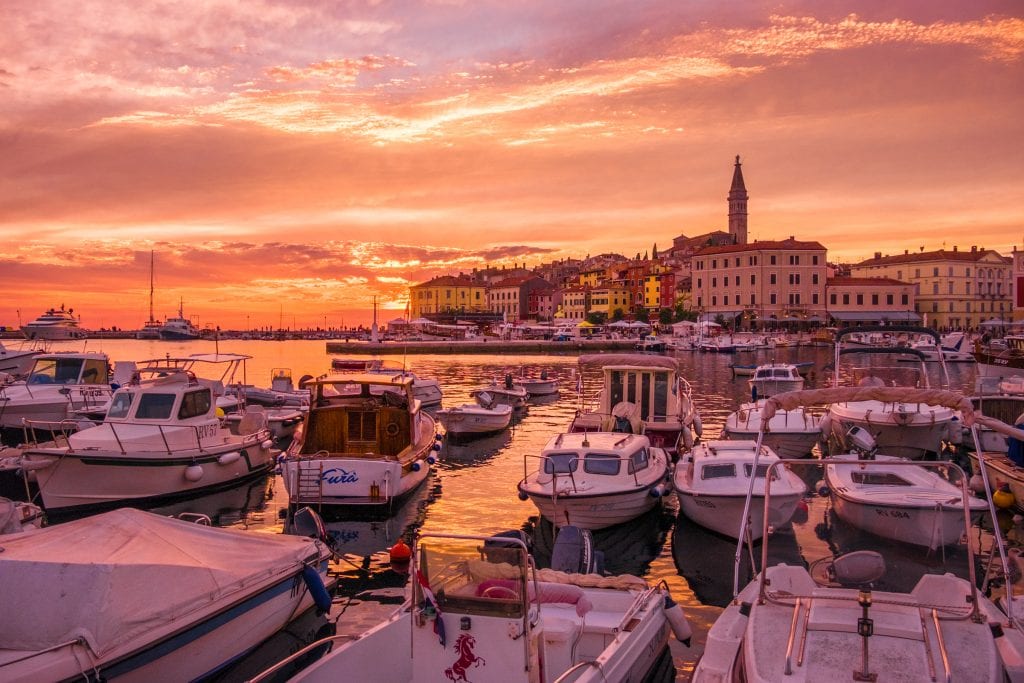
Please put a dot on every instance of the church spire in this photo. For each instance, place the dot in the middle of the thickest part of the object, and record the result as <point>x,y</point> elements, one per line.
<point>738,205</point>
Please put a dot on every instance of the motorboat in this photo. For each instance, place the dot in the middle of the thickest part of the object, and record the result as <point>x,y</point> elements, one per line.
<point>913,504</point>
<point>713,479</point>
<point>858,609</point>
<point>57,385</point>
<point>179,328</point>
<point>159,438</point>
<point>747,369</point>
<point>55,325</point>
<point>18,516</point>
<point>595,480</point>
<point>366,441</point>
<point>283,404</point>
<point>775,378</point>
<point>472,420</point>
<point>1005,405</point>
<point>954,347</point>
<point>1000,357</point>
<point>506,392</point>
<point>791,434</point>
<point>652,343</point>
<point>426,390</point>
<point>900,428</point>
<point>640,394</point>
<point>136,596</point>
<point>719,344</point>
<point>540,386</point>
<point>17,362</point>
<point>480,611</point>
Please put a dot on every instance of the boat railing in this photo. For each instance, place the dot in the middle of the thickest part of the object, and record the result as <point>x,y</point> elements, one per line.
<point>573,463</point>
<point>55,429</point>
<point>327,644</point>
<point>67,427</point>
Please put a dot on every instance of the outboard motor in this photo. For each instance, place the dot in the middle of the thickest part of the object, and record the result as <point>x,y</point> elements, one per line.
<point>306,522</point>
<point>574,552</point>
<point>862,442</point>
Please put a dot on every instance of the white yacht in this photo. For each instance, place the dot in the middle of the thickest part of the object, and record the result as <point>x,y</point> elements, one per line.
<point>159,438</point>
<point>774,378</point>
<point>55,325</point>
<point>179,328</point>
<point>595,480</point>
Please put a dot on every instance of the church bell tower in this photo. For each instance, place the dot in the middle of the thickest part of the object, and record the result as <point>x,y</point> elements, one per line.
<point>738,205</point>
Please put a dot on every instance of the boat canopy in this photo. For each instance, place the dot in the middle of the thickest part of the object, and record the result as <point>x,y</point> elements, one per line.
<point>933,397</point>
<point>108,578</point>
<point>639,360</point>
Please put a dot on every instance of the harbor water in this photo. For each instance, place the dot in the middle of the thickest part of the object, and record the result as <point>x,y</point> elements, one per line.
<point>473,487</point>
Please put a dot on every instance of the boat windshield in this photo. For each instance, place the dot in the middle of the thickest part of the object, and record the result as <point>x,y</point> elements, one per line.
<point>120,405</point>
<point>472,576</point>
<point>560,463</point>
<point>56,371</point>
<point>601,463</point>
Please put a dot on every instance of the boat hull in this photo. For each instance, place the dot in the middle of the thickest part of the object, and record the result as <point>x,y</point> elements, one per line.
<point>785,444</point>
<point>363,482</point>
<point>82,480</point>
<point>1001,470</point>
<point>915,438</point>
<point>929,527</point>
<point>53,333</point>
<point>593,511</point>
<point>724,514</point>
<point>463,423</point>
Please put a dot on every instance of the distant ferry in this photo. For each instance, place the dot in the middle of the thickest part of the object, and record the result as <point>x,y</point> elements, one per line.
<point>54,325</point>
<point>180,328</point>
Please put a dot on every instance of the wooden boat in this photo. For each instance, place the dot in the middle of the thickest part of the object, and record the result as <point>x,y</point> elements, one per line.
<point>595,480</point>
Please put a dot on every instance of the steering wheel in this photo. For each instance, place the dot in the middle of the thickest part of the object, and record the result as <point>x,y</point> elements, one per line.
<point>500,592</point>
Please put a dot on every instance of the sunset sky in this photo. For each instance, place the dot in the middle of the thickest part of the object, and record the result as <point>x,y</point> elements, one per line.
<point>289,160</point>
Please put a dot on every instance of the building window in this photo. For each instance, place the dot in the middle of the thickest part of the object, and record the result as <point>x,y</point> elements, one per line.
<point>753,300</point>
<point>772,299</point>
<point>917,272</point>
<point>771,279</point>
<point>935,271</point>
<point>814,259</point>
<point>889,299</point>
<point>714,301</point>
<point>753,279</point>
<point>698,283</point>
<point>846,299</point>
<point>950,287</point>
<point>714,263</point>
<point>814,279</point>
<point>771,259</point>
<point>832,299</point>
<point>935,288</point>
<point>874,299</point>
<point>905,299</point>
<point>725,300</point>
<point>737,261</point>
<point>714,282</point>
<point>814,299</point>
<point>860,299</point>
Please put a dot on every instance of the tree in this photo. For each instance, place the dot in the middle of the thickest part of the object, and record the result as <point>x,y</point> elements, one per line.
<point>665,316</point>
<point>617,314</point>
<point>642,315</point>
<point>597,317</point>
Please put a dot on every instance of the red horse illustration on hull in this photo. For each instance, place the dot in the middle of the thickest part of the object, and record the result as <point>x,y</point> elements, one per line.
<point>464,645</point>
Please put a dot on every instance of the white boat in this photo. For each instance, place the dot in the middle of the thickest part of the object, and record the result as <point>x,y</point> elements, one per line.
<point>595,480</point>
<point>17,516</point>
<point>862,615</point>
<point>712,483</point>
<point>539,386</point>
<point>426,390</point>
<point>55,325</point>
<point>491,616</point>
<point>775,378</point>
<point>131,595</point>
<point>791,433</point>
<point>907,504</point>
<point>641,394</point>
<point>179,328</point>
<point>57,385</point>
<point>159,438</point>
<point>151,328</point>
<point>955,347</point>
<point>17,362</point>
<point>652,343</point>
<point>506,393</point>
<point>357,446</point>
<point>900,428</point>
<point>472,420</point>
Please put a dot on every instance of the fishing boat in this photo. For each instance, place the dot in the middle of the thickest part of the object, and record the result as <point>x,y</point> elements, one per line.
<point>900,428</point>
<point>472,420</point>
<point>595,480</point>
<point>712,482</point>
<point>506,392</point>
<point>1002,359</point>
<point>480,611</point>
<point>908,504</point>
<point>55,325</point>
<point>179,328</point>
<point>775,378</point>
<point>859,610</point>
<point>791,434</point>
<point>358,446</point>
<point>57,385</point>
<point>137,596</point>
<point>159,438</point>
<point>640,394</point>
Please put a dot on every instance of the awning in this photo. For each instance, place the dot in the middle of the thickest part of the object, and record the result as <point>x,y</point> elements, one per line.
<point>888,316</point>
<point>726,315</point>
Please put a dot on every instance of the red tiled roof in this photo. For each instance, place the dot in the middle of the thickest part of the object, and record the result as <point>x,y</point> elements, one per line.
<point>843,281</point>
<point>449,281</point>
<point>939,255</point>
<point>760,246</point>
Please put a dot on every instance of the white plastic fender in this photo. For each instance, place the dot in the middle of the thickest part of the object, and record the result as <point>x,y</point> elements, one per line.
<point>228,458</point>
<point>677,621</point>
<point>698,426</point>
<point>267,444</point>
<point>194,472</point>
<point>687,438</point>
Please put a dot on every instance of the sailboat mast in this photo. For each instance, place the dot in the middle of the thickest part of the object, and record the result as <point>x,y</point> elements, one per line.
<point>150,285</point>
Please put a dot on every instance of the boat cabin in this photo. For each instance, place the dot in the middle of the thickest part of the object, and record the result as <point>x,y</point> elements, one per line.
<point>594,456</point>
<point>178,397</point>
<point>721,465</point>
<point>78,368</point>
<point>360,414</point>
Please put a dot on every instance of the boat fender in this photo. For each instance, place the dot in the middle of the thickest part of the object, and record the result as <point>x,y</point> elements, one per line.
<point>267,444</point>
<point>657,491</point>
<point>956,431</point>
<point>317,589</point>
<point>677,621</point>
<point>436,446</point>
<point>416,467</point>
<point>431,459</point>
<point>977,483</point>
<point>698,426</point>
<point>194,472</point>
<point>821,487</point>
<point>687,438</point>
<point>826,425</point>
<point>228,458</point>
<point>438,437</point>
<point>523,495</point>
<point>1002,496</point>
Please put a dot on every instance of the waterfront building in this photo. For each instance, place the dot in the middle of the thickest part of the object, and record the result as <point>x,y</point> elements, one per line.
<point>659,288</point>
<point>608,299</point>
<point>1018,284</point>
<point>956,289</point>
<point>870,300</point>
<point>447,294</point>
<point>761,283</point>
<point>541,304</point>
<point>510,297</point>
<point>575,304</point>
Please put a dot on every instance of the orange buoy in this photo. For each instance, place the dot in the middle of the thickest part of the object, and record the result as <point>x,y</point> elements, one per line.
<point>400,552</point>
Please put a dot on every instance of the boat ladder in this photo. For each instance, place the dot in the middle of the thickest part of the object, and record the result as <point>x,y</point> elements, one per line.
<point>310,482</point>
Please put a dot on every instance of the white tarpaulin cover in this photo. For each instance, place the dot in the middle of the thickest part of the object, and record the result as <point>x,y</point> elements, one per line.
<point>113,576</point>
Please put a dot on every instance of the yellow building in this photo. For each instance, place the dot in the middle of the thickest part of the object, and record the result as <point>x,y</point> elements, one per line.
<point>447,294</point>
<point>608,299</point>
<point>590,278</point>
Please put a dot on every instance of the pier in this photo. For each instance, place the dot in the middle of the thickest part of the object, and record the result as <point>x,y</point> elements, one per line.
<point>491,346</point>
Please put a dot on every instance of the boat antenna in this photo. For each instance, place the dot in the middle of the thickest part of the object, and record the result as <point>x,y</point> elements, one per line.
<point>745,520</point>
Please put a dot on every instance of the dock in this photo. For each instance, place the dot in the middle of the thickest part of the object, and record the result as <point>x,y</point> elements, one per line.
<point>477,346</point>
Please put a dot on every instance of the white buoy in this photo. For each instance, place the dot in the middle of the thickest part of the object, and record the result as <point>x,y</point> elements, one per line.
<point>977,483</point>
<point>267,444</point>
<point>677,621</point>
<point>194,472</point>
<point>227,458</point>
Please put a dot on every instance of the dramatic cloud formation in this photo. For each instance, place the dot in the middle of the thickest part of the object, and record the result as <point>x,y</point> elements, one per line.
<point>308,157</point>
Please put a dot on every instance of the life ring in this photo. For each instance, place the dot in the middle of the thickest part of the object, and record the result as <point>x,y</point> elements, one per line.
<point>392,429</point>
